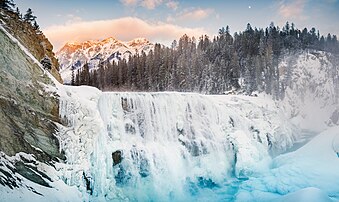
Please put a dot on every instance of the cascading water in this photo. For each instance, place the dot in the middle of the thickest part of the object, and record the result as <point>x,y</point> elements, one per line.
<point>166,149</point>
<point>168,146</point>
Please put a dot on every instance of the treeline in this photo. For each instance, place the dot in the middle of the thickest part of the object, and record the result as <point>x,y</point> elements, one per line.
<point>246,62</point>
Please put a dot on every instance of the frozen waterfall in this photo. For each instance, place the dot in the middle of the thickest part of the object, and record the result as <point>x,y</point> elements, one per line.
<point>166,146</point>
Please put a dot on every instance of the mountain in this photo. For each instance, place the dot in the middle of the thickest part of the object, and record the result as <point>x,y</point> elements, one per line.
<point>74,54</point>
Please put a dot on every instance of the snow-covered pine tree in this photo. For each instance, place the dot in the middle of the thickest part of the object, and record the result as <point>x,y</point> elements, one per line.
<point>29,17</point>
<point>7,5</point>
<point>46,63</point>
<point>73,77</point>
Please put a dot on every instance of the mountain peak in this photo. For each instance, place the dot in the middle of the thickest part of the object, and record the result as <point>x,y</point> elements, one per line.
<point>72,43</point>
<point>138,41</point>
<point>93,51</point>
<point>109,40</point>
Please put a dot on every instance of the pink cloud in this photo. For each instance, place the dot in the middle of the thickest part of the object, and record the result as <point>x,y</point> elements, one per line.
<point>172,5</point>
<point>151,4</point>
<point>123,29</point>
<point>129,2</point>
<point>291,10</point>
<point>196,14</point>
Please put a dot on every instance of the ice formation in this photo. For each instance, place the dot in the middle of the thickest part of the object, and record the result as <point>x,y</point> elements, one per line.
<point>167,146</point>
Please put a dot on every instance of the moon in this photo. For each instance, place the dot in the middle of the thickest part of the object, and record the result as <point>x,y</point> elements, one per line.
<point>249,7</point>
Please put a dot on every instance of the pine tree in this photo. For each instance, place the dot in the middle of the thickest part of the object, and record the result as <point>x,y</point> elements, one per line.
<point>46,63</point>
<point>7,5</point>
<point>36,26</point>
<point>73,77</point>
<point>29,17</point>
<point>17,11</point>
<point>85,77</point>
<point>78,78</point>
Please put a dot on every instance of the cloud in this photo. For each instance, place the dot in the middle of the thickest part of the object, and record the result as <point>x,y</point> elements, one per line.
<point>172,5</point>
<point>149,4</point>
<point>125,29</point>
<point>292,10</point>
<point>196,14</point>
<point>72,19</point>
<point>191,14</point>
<point>129,2</point>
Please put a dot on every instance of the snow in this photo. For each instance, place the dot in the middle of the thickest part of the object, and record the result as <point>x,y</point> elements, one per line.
<point>59,192</point>
<point>309,194</point>
<point>313,165</point>
<point>314,94</point>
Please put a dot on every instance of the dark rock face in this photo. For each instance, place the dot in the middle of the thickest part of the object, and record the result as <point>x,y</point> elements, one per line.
<point>8,178</point>
<point>117,157</point>
<point>30,172</point>
<point>26,166</point>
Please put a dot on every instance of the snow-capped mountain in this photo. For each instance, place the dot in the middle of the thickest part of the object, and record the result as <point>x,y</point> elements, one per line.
<point>74,54</point>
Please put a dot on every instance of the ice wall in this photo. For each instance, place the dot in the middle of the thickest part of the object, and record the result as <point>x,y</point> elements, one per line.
<point>166,146</point>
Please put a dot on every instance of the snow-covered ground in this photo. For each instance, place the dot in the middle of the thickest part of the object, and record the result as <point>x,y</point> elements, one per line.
<point>307,174</point>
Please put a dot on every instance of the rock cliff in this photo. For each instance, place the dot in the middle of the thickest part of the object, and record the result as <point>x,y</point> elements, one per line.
<point>28,112</point>
<point>37,44</point>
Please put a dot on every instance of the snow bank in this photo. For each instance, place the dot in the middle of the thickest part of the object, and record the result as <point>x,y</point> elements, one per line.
<point>310,194</point>
<point>30,191</point>
<point>315,164</point>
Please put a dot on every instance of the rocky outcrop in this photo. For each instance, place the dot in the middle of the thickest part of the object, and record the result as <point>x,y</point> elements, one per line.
<point>27,112</point>
<point>36,43</point>
<point>117,157</point>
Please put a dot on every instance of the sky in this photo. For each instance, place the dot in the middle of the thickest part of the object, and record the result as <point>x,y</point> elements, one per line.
<point>165,20</point>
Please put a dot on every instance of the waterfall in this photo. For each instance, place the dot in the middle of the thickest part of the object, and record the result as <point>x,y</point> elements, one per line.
<point>167,146</point>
